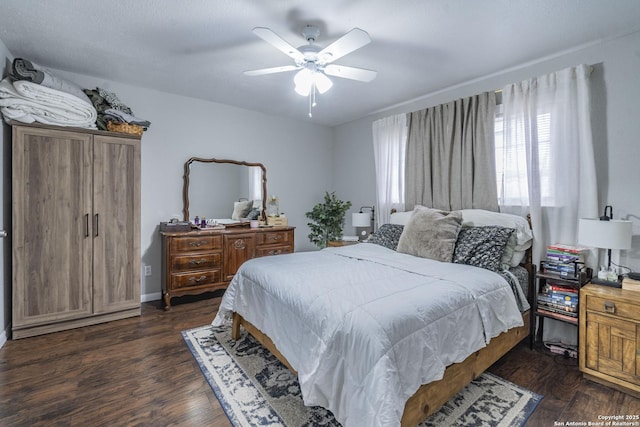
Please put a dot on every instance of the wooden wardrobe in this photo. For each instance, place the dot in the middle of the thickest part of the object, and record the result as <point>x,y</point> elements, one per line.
<point>76,228</point>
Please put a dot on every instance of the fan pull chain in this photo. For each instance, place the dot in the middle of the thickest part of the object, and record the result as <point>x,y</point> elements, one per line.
<point>312,98</point>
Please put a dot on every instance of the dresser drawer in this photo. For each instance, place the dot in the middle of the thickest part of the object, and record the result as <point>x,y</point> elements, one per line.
<point>274,238</point>
<point>200,278</point>
<point>273,250</point>
<point>192,243</point>
<point>202,261</point>
<point>603,305</point>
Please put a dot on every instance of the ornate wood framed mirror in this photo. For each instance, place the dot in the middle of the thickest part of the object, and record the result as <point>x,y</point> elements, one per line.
<point>212,186</point>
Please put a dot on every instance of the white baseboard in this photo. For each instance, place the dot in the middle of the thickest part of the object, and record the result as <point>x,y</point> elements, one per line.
<point>156,296</point>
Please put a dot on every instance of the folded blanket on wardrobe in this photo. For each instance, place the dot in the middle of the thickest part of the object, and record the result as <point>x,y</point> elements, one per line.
<point>28,102</point>
<point>121,116</point>
<point>23,69</point>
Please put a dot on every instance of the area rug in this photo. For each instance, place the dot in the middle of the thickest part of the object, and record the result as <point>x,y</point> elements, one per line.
<point>255,389</point>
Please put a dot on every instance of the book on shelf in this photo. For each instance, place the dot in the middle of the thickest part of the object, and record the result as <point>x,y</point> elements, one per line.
<point>569,249</point>
<point>552,289</point>
<point>559,299</point>
<point>571,310</point>
<point>564,260</point>
<point>566,317</point>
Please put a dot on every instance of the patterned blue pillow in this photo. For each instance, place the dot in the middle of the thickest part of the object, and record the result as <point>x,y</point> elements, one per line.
<point>387,235</point>
<point>482,246</point>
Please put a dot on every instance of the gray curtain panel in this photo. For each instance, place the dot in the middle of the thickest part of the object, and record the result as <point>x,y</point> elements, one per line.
<point>451,155</point>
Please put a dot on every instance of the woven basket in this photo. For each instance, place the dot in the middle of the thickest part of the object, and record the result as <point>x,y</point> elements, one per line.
<point>125,128</point>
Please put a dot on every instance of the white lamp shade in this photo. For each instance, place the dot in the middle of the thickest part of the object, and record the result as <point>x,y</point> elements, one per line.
<point>306,78</point>
<point>612,234</point>
<point>361,219</point>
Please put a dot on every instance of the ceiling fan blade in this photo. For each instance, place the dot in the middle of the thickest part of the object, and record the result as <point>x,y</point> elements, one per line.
<point>273,70</point>
<point>278,42</point>
<point>351,41</point>
<point>352,73</point>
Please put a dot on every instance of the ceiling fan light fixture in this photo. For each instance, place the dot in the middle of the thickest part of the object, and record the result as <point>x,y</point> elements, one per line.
<point>305,79</point>
<point>323,83</point>
<point>315,63</point>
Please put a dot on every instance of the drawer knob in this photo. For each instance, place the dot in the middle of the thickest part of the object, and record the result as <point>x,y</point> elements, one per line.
<point>609,307</point>
<point>197,243</point>
<point>275,252</point>
<point>197,279</point>
<point>276,237</point>
<point>198,261</point>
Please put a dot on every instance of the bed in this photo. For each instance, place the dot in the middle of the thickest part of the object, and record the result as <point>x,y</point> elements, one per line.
<point>379,336</point>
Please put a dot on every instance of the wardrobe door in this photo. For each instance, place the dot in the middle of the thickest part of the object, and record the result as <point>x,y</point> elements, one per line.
<point>116,224</point>
<point>51,191</point>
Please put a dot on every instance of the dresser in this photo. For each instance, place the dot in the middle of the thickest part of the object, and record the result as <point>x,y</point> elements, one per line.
<point>200,261</point>
<point>610,337</point>
<point>76,228</point>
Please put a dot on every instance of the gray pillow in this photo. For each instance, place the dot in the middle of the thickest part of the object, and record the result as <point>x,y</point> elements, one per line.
<point>482,246</point>
<point>387,235</point>
<point>431,233</point>
<point>241,209</point>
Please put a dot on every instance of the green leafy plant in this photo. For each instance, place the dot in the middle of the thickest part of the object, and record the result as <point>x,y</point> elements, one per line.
<point>327,220</point>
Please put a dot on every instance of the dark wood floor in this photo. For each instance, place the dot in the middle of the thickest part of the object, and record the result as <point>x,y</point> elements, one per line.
<point>138,371</point>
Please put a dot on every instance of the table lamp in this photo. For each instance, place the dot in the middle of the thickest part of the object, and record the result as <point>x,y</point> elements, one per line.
<point>606,233</point>
<point>363,222</point>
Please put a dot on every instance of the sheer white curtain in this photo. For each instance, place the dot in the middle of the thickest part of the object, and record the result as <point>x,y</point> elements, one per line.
<point>389,150</point>
<point>546,166</point>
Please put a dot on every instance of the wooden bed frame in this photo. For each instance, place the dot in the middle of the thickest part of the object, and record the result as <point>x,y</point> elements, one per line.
<point>430,397</point>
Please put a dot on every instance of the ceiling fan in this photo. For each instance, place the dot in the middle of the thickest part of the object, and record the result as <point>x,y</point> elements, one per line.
<point>315,63</point>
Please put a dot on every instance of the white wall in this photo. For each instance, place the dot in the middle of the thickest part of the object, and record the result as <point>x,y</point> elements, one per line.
<point>297,156</point>
<point>5,213</point>
<point>616,127</point>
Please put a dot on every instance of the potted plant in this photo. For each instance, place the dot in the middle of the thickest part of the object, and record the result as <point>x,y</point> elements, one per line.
<point>327,220</point>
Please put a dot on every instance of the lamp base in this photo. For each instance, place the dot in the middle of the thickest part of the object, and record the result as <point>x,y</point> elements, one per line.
<point>363,233</point>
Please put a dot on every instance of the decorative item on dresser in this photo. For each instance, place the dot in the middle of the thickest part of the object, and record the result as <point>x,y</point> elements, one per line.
<point>610,337</point>
<point>200,261</point>
<point>76,228</point>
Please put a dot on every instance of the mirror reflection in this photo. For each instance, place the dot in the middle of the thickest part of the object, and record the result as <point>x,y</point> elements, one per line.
<point>224,190</point>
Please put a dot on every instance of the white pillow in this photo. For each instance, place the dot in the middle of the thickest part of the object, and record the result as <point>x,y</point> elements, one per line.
<point>400,218</point>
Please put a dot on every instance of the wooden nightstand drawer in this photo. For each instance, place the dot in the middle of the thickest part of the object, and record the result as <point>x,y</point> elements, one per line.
<point>200,278</point>
<point>190,244</point>
<point>603,305</point>
<point>200,261</point>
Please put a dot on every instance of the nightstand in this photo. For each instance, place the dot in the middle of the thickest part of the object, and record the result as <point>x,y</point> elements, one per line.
<point>541,311</point>
<point>333,243</point>
<point>610,337</point>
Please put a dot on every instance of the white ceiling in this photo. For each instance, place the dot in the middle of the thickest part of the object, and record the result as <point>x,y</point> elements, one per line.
<point>199,48</point>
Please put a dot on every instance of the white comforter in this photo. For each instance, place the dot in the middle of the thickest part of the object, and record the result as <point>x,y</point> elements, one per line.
<point>365,326</point>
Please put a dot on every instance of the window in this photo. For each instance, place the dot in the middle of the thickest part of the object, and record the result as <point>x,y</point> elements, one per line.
<point>512,152</point>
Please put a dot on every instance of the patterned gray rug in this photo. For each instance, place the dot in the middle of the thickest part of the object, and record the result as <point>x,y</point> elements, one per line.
<point>255,389</point>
